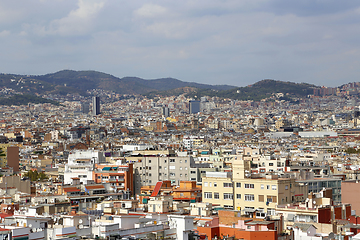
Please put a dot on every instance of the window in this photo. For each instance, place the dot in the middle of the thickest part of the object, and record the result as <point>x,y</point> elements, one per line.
<point>192,172</point>
<point>286,187</point>
<point>215,184</point>
<point>164,161</point>
<point>238,196</point>
<point>271,164</point>
<point>159,167</point>
<point>180,174</point>
<point>205,184</point>
<point>228,196</point>
<point>249,197</point>
<point>185,161</point>
<point>248,185</point>
<point>149,161</point>
<point>270,211</point>
<point>172,174</point>
<point>149,168</point>
<point>172,160</point>
<point>267,187</point>
<point>210,184</point>
<point>262,186</point>
<point>261,198</point>
<point>271,199</point>
<point>228,184</point>
<point>238,185</point>
<point>180,168</point>
<point>207,195</point>
<point>273,187</point>
<point>216,195</point>
<point>193,179</point>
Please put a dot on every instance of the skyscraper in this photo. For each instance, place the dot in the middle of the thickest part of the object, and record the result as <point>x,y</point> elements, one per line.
<point>96,106</point>
<point>194,106</point>
<point>165,111</point>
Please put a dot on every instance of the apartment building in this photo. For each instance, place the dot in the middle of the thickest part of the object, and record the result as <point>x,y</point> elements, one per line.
<point>249,193</point>
<point>315,185</point>
<point>120,177</point>
<point>218,189</point>
<point>81,164</point>
<point>151,169</point>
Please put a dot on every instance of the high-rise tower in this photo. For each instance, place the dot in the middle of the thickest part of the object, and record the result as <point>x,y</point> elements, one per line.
<point>96,106</point>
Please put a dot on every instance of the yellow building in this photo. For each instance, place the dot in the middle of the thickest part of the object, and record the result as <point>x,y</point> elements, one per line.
<point>217,188</point>
<point>250,193</point>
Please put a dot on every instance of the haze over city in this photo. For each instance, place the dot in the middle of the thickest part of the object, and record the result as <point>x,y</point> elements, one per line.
<point>214,42</point>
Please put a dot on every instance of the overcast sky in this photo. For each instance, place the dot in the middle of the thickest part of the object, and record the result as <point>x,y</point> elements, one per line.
<point>236,42</point>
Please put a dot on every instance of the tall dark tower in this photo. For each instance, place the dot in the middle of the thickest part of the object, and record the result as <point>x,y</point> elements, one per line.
<point>96,106</point>
<point>194,106</point>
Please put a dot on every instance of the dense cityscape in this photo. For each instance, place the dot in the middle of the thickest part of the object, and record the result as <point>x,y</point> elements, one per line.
<point>113,166</point>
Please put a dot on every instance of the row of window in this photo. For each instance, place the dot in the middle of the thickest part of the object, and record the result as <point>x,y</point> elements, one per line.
<point>170,167</point>
<point>238,185</point>
<point>170,160</point>
<point>226,196</point>
<point>247,197</point>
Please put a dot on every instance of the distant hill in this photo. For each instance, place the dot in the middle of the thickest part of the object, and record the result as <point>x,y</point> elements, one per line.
<point>25,99</point>
<point>173,92</point>
<point>260,90</point>
<point>79,82</point>
<point>68,81</point>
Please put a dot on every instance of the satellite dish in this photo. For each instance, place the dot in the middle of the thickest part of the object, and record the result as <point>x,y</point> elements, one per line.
<point>81,226</point>
<point>30,225</point>
<point>9,208</point>
<point>34,230</point>
<point>80,221</point>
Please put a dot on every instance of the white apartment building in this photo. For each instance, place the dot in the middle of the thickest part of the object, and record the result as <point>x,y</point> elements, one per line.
<point>81,164</point>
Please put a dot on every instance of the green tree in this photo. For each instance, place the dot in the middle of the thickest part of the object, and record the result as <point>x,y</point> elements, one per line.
<point>2,153</point>
<point>35,176</point>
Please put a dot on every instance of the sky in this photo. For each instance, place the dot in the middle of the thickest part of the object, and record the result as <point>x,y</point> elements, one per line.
<point>235,42</point>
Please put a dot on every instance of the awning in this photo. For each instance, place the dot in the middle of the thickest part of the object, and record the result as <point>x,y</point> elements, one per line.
<point>106,168</point>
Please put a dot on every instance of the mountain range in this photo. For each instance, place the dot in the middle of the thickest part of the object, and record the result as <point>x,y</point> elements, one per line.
<point>68,81</point>
<point>80,82</point>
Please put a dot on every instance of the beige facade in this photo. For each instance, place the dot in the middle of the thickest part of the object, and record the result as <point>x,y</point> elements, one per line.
<point>217,188</point>
<point>249,193</point>
<point>264,194</point>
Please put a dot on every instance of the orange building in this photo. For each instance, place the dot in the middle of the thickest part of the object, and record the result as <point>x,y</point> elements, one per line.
<point>120,177</point>
<point>230,223</point>
<point>187,191</point>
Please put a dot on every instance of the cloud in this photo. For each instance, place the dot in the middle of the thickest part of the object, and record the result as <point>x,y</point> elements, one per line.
<point>78,22</point>
<point>4,33</point>
<point>235,42</point>
<point>150,11</point>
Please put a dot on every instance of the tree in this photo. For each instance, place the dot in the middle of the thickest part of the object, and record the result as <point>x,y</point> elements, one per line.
<point>35,176</point>
<point>2,153</point>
